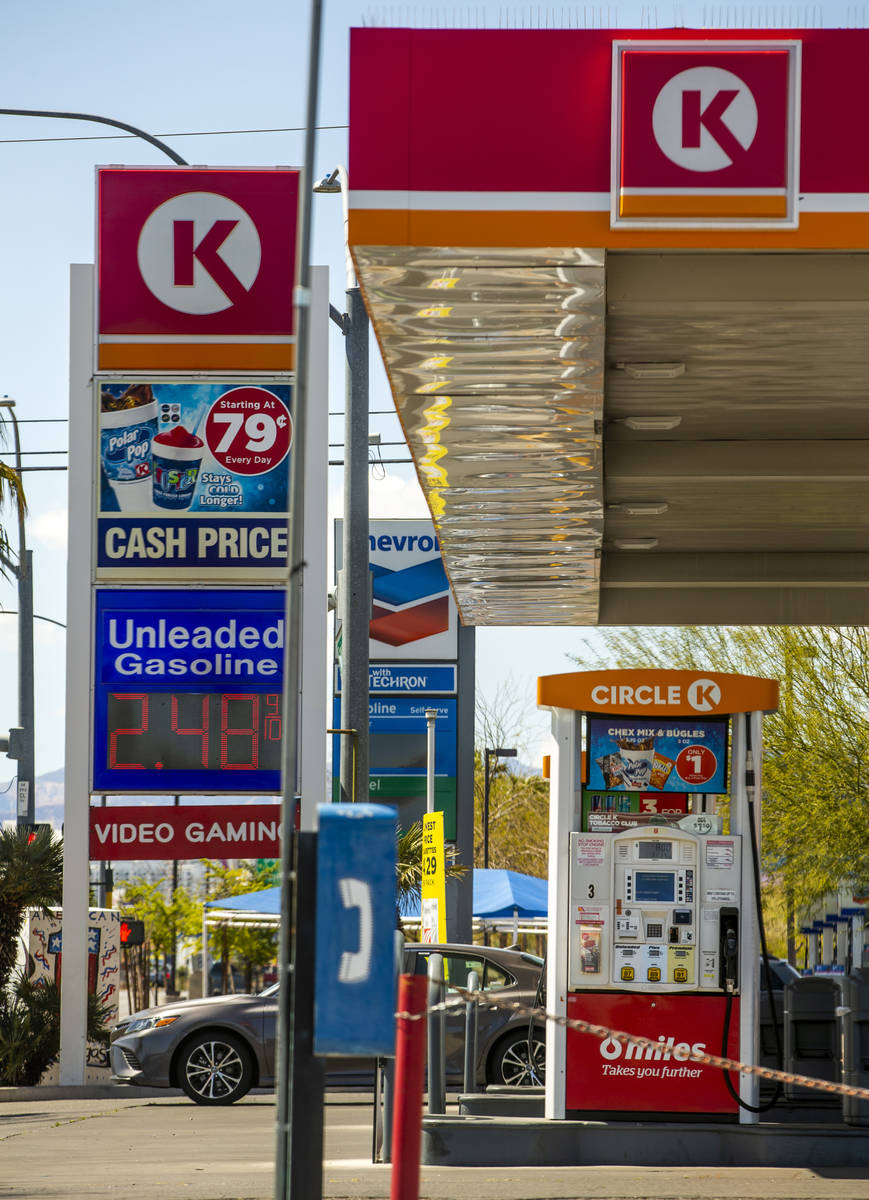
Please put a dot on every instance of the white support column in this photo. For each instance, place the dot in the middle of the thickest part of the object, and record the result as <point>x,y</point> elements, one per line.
<point>564,773</point>
<point>314,675</point>
<point>79,574</point>
<point>748,930</point>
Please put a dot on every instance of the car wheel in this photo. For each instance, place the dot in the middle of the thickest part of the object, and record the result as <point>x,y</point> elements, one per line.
<point>215,1068</point>
<point>513,1065</point>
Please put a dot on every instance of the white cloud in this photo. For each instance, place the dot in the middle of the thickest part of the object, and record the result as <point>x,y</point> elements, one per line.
<point>49,528</point>
<point>396,497</point>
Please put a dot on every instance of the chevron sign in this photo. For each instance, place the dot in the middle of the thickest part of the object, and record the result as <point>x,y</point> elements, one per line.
<point>413,613</point>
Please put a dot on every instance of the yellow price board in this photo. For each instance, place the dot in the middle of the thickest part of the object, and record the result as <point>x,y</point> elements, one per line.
<point>434,887</point>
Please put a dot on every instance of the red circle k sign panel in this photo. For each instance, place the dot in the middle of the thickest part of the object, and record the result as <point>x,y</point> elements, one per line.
<point>705,134</point>
<point>191,256</point>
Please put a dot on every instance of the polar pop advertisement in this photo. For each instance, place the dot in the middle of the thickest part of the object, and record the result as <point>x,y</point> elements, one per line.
<point>641,755</point>
<point>193,479</point>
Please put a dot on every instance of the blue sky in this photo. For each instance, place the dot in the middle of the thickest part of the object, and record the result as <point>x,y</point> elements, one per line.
<point>174,67</point>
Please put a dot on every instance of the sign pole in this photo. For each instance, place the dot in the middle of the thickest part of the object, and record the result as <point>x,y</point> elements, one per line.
<point>73,984</point>
<point>296,1132</point>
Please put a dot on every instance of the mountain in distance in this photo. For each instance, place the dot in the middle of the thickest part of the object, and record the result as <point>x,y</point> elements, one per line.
<point>50,793</point>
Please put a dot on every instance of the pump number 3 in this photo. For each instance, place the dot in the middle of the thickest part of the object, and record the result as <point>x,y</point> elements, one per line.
<point>249,430</point>
<point>696,764</point>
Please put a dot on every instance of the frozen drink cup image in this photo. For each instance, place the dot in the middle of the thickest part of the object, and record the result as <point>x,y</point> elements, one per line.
<point>128,424</point>
<point>177,457</point>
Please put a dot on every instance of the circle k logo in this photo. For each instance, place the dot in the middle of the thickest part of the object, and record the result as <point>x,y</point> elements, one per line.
<point>704,695</point>
<point>704,119</point>
<point>199,252</point>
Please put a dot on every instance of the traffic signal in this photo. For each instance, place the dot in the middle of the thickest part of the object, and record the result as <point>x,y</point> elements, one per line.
<point>32,832</point>
<point>132,933</point>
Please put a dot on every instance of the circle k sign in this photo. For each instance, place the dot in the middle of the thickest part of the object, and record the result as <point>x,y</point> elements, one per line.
<point>705,134</point>
<point>196,268</point>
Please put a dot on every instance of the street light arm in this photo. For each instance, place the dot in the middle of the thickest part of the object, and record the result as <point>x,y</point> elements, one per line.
<point>72,116</point>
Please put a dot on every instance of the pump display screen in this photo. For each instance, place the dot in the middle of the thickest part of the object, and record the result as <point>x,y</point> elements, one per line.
<point>656,886</point>
<point>655,849</point>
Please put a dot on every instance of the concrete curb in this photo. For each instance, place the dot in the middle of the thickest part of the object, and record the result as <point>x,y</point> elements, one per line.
<point>513,1142</point>
<point>87,1091</point>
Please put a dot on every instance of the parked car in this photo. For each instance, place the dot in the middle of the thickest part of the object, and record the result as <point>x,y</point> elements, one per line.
<point>216,1049</point>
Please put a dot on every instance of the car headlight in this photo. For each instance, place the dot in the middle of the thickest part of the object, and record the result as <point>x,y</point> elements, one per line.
<point>149,1023</point>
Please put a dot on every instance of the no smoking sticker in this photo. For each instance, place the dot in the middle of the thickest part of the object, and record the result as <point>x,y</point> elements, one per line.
<point>249,430</point>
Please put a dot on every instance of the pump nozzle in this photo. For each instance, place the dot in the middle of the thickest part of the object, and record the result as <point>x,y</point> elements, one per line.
<point>731,954</point>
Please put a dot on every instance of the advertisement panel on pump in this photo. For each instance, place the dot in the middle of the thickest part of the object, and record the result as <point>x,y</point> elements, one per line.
<point>627,754</point>
<point>613,1076</point>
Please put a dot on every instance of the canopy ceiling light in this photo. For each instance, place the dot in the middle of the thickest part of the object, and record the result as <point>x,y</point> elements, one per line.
<point>635,543</point>
<point>649,424</point>
<point>652,370</point>
<point>640,508</point>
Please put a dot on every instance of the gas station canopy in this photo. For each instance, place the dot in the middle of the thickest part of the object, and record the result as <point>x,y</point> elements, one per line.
<point>620,284</point>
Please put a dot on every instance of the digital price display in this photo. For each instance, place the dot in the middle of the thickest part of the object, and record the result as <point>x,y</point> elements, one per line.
<point>213,729</point>
<point>186,731</point>
<point>180,735</point>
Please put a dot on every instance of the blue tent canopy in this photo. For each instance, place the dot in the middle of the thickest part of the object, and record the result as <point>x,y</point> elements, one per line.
<point>501,895</point>
<point>267,901</point>
<point>497,895</point>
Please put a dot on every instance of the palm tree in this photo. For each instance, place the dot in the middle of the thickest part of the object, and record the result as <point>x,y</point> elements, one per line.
<point>10,488</point>
<point>31,876</point>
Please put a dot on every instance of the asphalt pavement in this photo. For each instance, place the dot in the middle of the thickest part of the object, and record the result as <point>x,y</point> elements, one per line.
<point>160,1147</point>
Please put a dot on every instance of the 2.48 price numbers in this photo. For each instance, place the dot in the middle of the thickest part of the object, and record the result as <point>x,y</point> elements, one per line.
<point>211,731</point>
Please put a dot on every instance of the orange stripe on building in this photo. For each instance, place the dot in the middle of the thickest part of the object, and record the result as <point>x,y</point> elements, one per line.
<point>185,356</point>
<point>378,227</point>
<point>687,205</point>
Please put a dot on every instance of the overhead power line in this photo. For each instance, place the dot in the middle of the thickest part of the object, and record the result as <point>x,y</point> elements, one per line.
<point>113,137</point>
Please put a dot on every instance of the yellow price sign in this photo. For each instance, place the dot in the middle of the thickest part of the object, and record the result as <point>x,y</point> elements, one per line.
<point>434,877</point>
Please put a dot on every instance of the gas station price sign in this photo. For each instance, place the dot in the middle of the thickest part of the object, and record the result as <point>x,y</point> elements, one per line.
<point>188,691</point>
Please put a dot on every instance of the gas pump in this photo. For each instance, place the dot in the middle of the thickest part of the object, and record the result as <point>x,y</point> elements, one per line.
<point>652,910</point>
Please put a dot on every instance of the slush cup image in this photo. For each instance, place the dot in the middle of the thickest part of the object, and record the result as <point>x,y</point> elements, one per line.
<point>128,425</point>
<point>177,458</point>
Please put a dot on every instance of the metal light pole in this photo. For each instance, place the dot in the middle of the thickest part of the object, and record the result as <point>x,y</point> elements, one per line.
<point>431,715</point>
<point>299,1092</point>
<point>496,753</point>
<point>23,572</point>
<point>354,600</point>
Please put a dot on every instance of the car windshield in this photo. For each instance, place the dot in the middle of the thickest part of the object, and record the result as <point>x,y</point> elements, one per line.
<point>272,990</point>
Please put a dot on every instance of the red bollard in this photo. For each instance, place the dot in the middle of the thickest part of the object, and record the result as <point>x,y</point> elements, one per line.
<point>409,1083</point>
